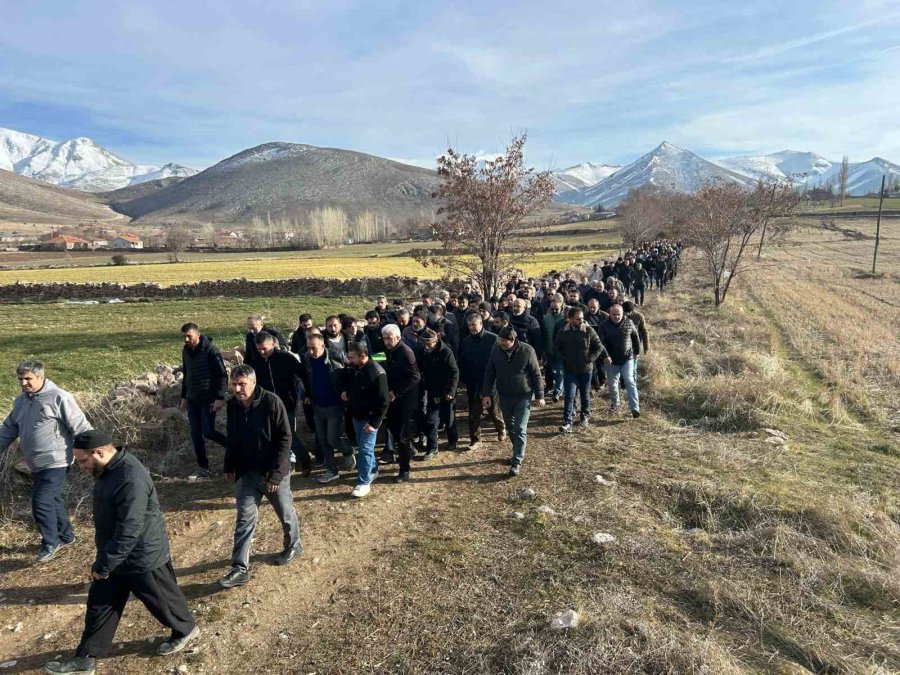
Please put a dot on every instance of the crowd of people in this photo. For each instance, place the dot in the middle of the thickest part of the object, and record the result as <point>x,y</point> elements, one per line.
<point>394,378</point>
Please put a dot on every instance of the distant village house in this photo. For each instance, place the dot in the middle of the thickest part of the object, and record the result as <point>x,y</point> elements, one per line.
<point>128,241</point>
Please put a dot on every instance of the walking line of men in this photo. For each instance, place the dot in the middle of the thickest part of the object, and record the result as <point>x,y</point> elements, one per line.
<point>400,372</point>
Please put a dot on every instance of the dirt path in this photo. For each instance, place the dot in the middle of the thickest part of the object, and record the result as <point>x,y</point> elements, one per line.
<point>341,537</point>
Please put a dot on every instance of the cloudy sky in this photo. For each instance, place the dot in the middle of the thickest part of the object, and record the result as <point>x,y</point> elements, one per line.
<point>194,82</point>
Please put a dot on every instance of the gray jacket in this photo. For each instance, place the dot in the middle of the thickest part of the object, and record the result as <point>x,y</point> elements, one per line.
<point>513,374</point>
<point>45,424</point>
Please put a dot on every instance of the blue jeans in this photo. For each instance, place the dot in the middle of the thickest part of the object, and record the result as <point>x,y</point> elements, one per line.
<point>628,372</point>
<point>555,366</point>
<point>366,466</point>
<point>516,411</point>
<point>49,508</point>
<point>329,427</point>
<point>203,426</point>
<point>436,413</point>
<point>580,382</point>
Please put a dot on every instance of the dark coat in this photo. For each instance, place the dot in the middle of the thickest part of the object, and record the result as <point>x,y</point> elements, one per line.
<point>641,324</point>
<point>449,330</point>
<point>250,352</point>
<point>578,348</point>
<point>528,331</point>
<point>513,374</point>
<point>205,379</point>
<point>259,437</point>
<point>620,341</point>
<point>280,374</point>
<point>474,353</point>
<point>335,370</point>
<point>440,373</point>
<point>374,340</point>
<point>129,530</point>
<point>402,371</point>
<point>367,390</point>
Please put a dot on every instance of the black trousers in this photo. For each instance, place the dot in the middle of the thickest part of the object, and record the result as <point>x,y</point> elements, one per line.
<point>159,592</point>
<point>476,412</point>
<point>400,424</point>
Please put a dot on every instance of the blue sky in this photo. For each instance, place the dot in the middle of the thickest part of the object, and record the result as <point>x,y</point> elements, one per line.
<point>194,82</point>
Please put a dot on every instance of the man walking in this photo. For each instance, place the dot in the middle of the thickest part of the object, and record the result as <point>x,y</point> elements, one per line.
<point>551,323</point>
<point>45,419</point>
<point>255,326</point>
<point>440,377</point>
<point>474,353</point>
<point>202,391</point>
<point>403,386</point>
<point>321,373</point>
<point>280,371</point>
<point>622,344</point>
<point>365,391</point>
<point>132,556</point>
<point>514,374</point>
<point>578,346</point>
<point>257,459</point>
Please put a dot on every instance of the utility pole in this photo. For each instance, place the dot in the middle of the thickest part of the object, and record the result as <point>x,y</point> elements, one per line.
<point>878,223</point>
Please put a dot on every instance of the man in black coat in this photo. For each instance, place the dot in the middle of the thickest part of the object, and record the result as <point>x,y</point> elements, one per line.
<point>132,555</point>
<point>622,343</point>
<point>258,460</point>
<point>372,332</point>
<point>280,371</point>
<point>255,326</point>
<point>298,338</point>
<point>403,384</point>
<point>440,377</point>
<point>527,327</point>
<point>474,352</point>
<point>202,391</point>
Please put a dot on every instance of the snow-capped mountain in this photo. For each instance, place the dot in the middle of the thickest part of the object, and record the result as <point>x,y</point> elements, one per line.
<point>666,166</point>
<point>582,175</point>
<point>77,163</point>
<point>800,167</point>
<point>864,177</point>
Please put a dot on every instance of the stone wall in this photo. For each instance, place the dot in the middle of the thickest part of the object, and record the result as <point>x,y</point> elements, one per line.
<point>243,288</point>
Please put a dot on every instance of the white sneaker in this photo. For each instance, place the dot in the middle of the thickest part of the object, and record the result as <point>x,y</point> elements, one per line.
<point>328,477</point>
<point>361,491</point>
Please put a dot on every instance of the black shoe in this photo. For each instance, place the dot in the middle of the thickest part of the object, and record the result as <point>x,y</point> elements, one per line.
<point>515,470</point>
<point>234,578</point>
<point>48,553</point>
<point>287,556</point>
<point>431,454</point>
<point>66,544</point>
<point>555,398</point>
<point>175,645</point>
<point>452,448</point>
<point>386,457</point>
<point>635,413</point>
<point>402,477</point>
<point>77,665</point>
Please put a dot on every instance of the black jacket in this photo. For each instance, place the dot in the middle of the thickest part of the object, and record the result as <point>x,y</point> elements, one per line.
<point>298,341</point>
<point>528,331</point>
<point>280,374</point>
<point>259,437</point>
<point>250,352</point>
<point>641,324</point>
<point>594,320</point>
<point>440,374</point>
<point>205,379</point>
<point>129,530</point>
<point>374,340</point>
<point>513,374</point>
<point>474,352</point>
<point>402,371</point>
<point>621,342</point>
<point>578,348</point>
<point>367,389</point>
<point>448,329</point>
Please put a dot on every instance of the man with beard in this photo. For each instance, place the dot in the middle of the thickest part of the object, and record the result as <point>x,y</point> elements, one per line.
<point>255,326</point>
<point>441,324</point>
<point>372,332</point>
<point>132,556</point>
<point>335,340</point>
<point>440,376</point>
<point>513,374</point>
<point>579,347</point>
<point>551,323</point>
<point>474,352</point>
<point>381,308</point>
<point>527,327</point>
<point>298,338</point>
<point>594,317</point>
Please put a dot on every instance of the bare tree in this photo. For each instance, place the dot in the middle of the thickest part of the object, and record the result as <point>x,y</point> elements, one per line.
<point>327,226</point>
<point>721,219</point>
<point>178,238</point>
<point>484,206</point>
<point>643,214</point>
<point>771,200</point>
<point>844,177</point>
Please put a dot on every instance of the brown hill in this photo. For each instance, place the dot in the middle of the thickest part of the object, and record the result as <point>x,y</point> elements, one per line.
<point>284,180</point>
<point>26,200</point>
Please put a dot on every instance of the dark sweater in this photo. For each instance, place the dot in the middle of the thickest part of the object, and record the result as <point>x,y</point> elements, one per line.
<point>367,389</point>
<point>259,437</point>
<point>129,530</point>
<point>205,378</point>
<point>513,374</point>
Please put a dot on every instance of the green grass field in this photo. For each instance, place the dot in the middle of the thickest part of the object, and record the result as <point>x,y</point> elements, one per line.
<point>855,204</point>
